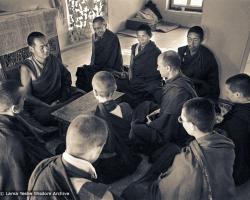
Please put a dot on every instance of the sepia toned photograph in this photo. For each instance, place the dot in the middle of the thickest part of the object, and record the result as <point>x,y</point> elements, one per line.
<point>124,99</point>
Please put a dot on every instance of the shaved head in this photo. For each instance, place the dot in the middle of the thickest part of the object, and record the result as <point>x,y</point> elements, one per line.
<point>10,94</point>
<point>85,134</point>
<point>104,84</point>
<point>172,59</point>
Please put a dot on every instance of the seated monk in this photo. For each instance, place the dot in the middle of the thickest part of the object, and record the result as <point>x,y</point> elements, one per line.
<point>20,151</point>
<point>73,172</point>
<point>116,160</point>
<point>236,123</point>
<point>199,64</point>
<point>150,133</point>
<point>203,169</point>
<point>45,79</point>
<point>143,78</point>
<point>106,55</point>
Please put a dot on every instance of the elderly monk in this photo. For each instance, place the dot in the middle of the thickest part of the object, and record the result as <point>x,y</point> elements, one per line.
<point>117,159</point>
<point>152,128</point>
<point>237,124</point>
<point>106,55</point>
<point>73,172</point>
<point>199,64</point>
<point>45,79</point>
<point>20,151</point>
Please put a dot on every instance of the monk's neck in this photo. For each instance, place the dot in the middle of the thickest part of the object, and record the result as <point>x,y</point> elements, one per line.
<point>193,52</point>
<point>39,60</point>
<point>173,74</point>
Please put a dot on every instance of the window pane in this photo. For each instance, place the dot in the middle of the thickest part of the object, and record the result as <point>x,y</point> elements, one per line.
<point>180,2</point>
<point>197,3</point>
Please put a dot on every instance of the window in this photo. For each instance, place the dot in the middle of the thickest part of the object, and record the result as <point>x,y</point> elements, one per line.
<point>186,5</point>
<point>80,14</point>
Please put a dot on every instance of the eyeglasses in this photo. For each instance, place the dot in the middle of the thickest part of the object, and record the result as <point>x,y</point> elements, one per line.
<point>180,120</point>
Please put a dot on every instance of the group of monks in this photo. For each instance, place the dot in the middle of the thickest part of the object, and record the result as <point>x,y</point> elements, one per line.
<point>169,112</point>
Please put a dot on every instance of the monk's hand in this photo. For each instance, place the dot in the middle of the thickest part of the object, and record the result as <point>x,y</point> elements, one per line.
<point>148,120</point>
<point>219,118</point>
<point>153,115</point>
<point>137,126</point>
<point>54,103</point>
<point>124,75</point>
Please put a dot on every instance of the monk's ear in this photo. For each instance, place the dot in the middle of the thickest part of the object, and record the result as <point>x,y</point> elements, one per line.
<point>95,92</point>
<point>31,49</point>
<point>105,24</point>
<point>168,68</point>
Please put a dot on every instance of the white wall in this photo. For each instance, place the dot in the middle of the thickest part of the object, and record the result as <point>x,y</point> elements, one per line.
<point>183,18</point>
<point>23,5</point>
<point>121,10</point>
<point>227,27</point>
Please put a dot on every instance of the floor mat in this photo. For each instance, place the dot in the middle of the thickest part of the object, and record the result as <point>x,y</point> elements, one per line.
<point>161,27</point>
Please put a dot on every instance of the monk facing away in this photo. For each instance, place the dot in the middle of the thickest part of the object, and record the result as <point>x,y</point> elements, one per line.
<point>117,159</point>
<point>203,169</point>
<point>72,172</point>
<point>20,151</point>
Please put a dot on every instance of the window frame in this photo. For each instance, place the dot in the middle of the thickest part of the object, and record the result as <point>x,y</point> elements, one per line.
<point>186,7</point>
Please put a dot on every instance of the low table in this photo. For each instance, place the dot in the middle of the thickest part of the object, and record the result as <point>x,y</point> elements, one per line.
<point>85,104</point>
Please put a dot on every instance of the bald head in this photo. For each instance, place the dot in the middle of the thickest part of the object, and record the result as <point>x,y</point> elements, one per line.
<point>9,94</point>
<point>104,84</point>
<point>172,59</point>
<point>86,134</point>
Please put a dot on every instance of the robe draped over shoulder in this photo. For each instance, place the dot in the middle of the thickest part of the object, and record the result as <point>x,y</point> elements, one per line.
<point>106,53</point>
<point>202,68</point>
<point>203,170</point>
<point>55,175</point>
<point>106,56</point>
<point>54,83</point>
<point>125,161</point>
<point>143,73</point>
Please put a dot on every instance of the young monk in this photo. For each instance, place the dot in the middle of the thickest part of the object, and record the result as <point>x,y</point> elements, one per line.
<point>117,159</point>
<point>203,169</point>
<point>46,80</point>
<point>237,124</point>
<point>142,79</point>
<point>199,64</point>
<point>20,152</point>
<point>73,172</point>
<point>151,134</point>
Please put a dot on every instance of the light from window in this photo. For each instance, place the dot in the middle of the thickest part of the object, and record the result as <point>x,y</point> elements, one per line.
<point>193,5</point>
<point>197,3</point>
<point>180,2</point>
